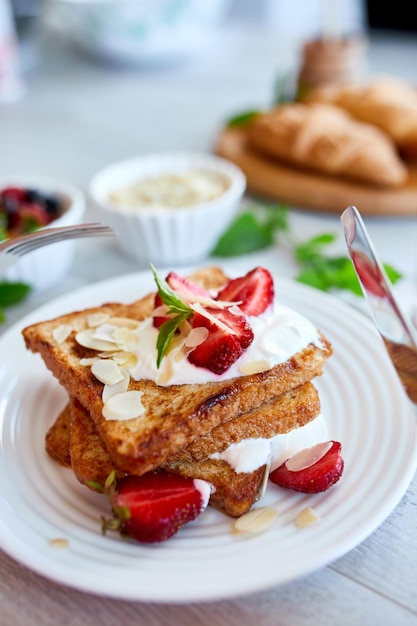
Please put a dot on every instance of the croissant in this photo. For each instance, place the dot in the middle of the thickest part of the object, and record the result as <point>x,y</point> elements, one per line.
<point>387,102</point>
<point>324,138</point>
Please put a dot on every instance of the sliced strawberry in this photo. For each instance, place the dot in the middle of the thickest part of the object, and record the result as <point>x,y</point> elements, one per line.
<point>158,320</point>
<point>180,285</point>
<point>229,335</point>
<point>33,216</point>
<point>186,287</point>
<point>255,291</point>
<point>17,193</point>
<point>311,478</point>
<point>153,507</point>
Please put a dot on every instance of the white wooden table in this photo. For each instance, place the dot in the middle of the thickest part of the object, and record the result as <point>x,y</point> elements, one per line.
<point>79,116</point>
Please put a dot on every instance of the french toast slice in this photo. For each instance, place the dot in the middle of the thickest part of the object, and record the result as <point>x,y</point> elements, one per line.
<point>175,415</point>
<point>234,492</point>
<point>58,438</point>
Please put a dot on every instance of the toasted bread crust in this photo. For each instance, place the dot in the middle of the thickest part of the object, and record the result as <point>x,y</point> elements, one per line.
<point>278,416</point>
<point>57,440</point>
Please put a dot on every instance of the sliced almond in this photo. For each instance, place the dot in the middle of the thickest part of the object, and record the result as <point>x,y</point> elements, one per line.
<point>97,319</point>
<point>120,387</point>
<point>123,336</point>
<point>88,361</point>
<point>107,371</point>
<point>307,457</point>
<point>59,542</point>
<point>306,517</point>
<point>126,322</point>
<point>124,406</point>
<point>125,358</point>
<point>256,520</point>
<point>196,337</point>
<point>87,339</point>
<point>254,367</point>
<point>61,333</point>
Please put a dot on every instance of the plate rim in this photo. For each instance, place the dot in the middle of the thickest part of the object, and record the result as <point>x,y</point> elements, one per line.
<point>17,550</point>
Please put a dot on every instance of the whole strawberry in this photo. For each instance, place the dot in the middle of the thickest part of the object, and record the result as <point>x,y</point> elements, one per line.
<point>311,470</point>
<point>153,507</point>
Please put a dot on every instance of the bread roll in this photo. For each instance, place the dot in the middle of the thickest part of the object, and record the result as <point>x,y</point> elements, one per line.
<point>324,138</point>
<point>388,103</point>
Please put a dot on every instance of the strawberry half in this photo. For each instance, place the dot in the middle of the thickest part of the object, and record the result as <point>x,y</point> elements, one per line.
<point>255,291</point>
<point>153,507</point>
<point>313,476</point>
<point>184,287</point>
<point>229,335</point>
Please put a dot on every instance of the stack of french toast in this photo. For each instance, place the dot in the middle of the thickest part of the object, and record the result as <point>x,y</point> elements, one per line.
<point>135,421</point>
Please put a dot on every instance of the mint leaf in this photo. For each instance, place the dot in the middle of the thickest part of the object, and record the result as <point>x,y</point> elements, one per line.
<point>166,334</point>
<point>241,119</point>
<point>249,232</point>
<point>168,328</point>
<point>168,297</point>
<point>326,272</point>
<point>12,293</point>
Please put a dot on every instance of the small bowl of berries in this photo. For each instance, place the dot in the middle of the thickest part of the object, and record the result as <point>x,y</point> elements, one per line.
<point>31,203</point>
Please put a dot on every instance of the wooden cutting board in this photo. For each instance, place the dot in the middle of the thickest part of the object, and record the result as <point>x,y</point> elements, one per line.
<point>306,190</point>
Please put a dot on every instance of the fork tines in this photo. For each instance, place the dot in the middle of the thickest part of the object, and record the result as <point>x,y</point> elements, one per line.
<point>48,236</point>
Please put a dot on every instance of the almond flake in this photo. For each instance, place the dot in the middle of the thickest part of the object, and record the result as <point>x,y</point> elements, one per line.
<point>256,520</point>
<point>127,322</point>
<point>127,359</point>
<point>58,543</point>
<point>124,335</point>
<point>97,319</point>
<point>107,371</point>
<point>214,320</point>
<point>307,457</point>
<point>61,333</point>
<point>196,337</point>
<point>124,406</point>
<point>88,362</point>
<point>120,387</point>
<point>306,517</point>
<point>254,367</point>
<point>88,339</point>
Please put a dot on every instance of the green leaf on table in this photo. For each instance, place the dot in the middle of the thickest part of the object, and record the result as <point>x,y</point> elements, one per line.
<point>327,272</point>
<point>249,232</point>
<point>12,293</point>
<point>241,119</point>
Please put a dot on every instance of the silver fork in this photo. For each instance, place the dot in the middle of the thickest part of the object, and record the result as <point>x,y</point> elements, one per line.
<point>19,246</point>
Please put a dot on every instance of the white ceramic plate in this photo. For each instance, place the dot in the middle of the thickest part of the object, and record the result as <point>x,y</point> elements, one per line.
<point>365,408</point>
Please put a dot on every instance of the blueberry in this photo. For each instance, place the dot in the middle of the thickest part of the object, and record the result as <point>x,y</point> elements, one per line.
<point>52,205</point>
<point>35,196</point>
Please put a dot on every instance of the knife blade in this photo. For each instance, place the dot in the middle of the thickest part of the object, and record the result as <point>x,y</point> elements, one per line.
<point>396,330</point>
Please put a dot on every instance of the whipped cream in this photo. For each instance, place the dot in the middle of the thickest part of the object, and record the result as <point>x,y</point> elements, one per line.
<point>279,333</point>
<point>249,454</point>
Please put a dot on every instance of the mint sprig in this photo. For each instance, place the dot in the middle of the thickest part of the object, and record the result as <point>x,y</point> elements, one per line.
<point>259,228</point>
<point>175,307</point>
<point>11,293</point>
<point>251,232</point>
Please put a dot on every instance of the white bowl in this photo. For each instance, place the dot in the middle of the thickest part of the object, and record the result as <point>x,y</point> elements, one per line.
<point>47,266</point>
<point>138,31</point>
<point>160,234</point>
